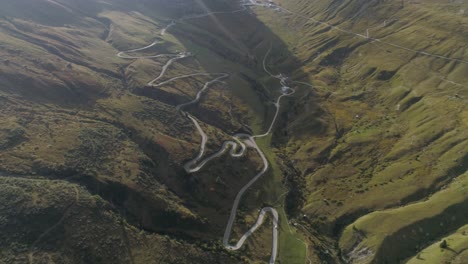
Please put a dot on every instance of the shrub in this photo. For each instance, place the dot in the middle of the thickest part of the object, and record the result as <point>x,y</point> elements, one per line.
<point>443,244</point>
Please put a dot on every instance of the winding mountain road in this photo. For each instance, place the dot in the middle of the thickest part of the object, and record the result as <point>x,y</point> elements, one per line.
<point>250,141</point>
<point>237,147</point>
<point>166,66</point>
<point>195,165</point>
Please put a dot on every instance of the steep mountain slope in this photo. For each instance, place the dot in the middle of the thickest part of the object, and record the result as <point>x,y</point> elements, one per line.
<point>392,79</point>
<point>74,113</point>
<point>46,221</point>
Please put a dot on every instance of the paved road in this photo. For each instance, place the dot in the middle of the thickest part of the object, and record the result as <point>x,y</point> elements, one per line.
<point>123,54</point>
<point>237,147</point>
<point>166,66</point>
<point>207,84</point>
<point>184,76</point>
<point>195,165</point>
<point>164,30</point>
<point>174,57</point>
<point>285,91</point>
<point>250,141</point>
<point>233,146</point>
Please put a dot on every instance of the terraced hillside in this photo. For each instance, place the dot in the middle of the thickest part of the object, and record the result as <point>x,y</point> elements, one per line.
<point>109,109</point>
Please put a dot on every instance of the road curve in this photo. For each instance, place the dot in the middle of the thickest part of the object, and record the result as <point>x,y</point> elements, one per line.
<point>174,57</point>
<point>207,84</point>
<point>250,141</point>
<point>233,146</point>
<point>195,165</point>
<point>285,91</point>
<point>166,66</point>
<point>183,77</point>
<point>227,233</point>
<point>237,147</point>
<point>123,54</point>
<point>164,30</point>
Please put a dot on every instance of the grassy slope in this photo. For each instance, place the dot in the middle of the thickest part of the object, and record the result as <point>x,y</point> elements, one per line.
<point>44,221</point>
<point>102,146</point>
<point>412,225</point>
<point>376,101</point>
<point>454,253</point>
<point>400,135</point>
<point>103,143</point>
<point>291,249</point>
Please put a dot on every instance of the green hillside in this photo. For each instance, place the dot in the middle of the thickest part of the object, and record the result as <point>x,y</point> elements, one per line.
<point>367,158</point>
